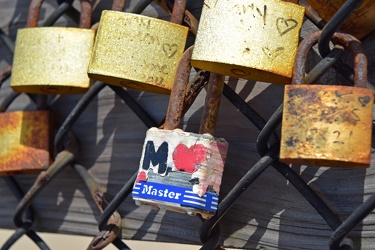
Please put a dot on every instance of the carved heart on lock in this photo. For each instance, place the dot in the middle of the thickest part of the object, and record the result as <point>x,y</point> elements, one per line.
<point>285,25</point>
<point>185,159</point>
<point>170,49</point>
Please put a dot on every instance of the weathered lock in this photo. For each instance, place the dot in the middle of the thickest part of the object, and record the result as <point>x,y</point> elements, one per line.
<point>359,23</point>
<point>53,60</point>
<point>326,125</point>
<point>255,39</point>
<point>136,51</point>
<point>180,171</point>
<point>24,142</point>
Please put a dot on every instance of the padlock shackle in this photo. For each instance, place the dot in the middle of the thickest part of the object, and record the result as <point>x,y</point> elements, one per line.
<point>85,16</point>
<point>118,5</point>
<point>346,40</point>
<point>212,104</point>
<point>360,58</point>
<point>34,11</point>
<point>178,11</point>
<point>176,99</point>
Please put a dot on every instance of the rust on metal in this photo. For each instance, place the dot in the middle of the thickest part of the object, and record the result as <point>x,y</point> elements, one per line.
<point>178,11</point>
<point>176,100</point>
<point>328,125</point>
<point>359,23</point>
<point>193,89</point>
<point>360,59</point>
<point>212,104</point>
<point>33,14</point>
<point>192,22</point>
<point>85,16</point>
<point>24,142</point>
<point>348,41</point>
<point>64,158</point>
<point>110,232</point>
<point>118,5</point>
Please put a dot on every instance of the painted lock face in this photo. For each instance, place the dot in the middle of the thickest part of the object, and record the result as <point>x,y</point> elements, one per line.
<point>326,125</point>
<point>137,52</point>
<point>24,142</point>
<point>52,60</point>
<point>180,171</point>
<point>359,23</point>
<point>255,39</point>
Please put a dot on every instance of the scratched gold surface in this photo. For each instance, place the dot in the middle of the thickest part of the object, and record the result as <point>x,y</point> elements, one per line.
<point>327,126</point>
<point>24,142</point>
<point>52,60</point>
<point>256,40</point>
<point>359,23</point>
<point>137,52</point>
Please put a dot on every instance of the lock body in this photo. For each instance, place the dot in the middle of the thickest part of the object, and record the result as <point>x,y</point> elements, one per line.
<point>24,142</point>
<point>254,40</point>
<point>327,126</point>
<point>137,52</point>
<point>359,23</point>
<point>181,171</point>
<point>52,60</point>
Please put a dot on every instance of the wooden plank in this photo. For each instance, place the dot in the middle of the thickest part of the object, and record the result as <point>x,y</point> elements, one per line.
<point>271,214</point>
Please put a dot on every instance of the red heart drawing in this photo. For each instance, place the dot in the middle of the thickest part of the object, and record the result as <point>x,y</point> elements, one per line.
<point>185,159</point>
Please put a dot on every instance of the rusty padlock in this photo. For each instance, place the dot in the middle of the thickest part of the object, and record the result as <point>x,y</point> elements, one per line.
<point>53,60</point>
<point>181,171</point>
<point>136,51</point>
<point>255,40</point>
<point>326,125</point>
<point>359,23</point>
<point>25,142</point>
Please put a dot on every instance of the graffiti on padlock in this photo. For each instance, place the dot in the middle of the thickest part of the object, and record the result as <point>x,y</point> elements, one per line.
<point>181,168</point>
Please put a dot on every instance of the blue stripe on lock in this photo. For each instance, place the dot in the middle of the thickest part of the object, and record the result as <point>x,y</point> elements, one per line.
<point>174,194</point>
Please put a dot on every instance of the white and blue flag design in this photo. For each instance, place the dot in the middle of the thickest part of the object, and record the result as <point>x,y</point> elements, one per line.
<point>175,194</point>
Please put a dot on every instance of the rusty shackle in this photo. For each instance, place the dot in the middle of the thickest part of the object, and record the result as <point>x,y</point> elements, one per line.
<point>34,11</point>
<point>176,99</point>
<point>346,40</point>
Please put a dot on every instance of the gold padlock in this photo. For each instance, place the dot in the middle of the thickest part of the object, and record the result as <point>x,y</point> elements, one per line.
<point>328,125</point>
<point>359,23</point>
<point>136,51</point>
<point>255,40</point>
<point>24,142</point>
<point>53,60</point>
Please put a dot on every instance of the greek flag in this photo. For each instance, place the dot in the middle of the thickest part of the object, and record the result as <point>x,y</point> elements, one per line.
<point>174,194</point>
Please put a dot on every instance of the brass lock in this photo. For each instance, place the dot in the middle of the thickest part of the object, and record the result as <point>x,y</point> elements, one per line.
<point>53,60</point>
<point>254,40</point>
<point>180,171</point>
<point>24,142</point>
<point>137,52</point>
<point>327,125</point>
<point>359,23</point>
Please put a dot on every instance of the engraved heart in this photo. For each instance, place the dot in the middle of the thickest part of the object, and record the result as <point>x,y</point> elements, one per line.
<point>272,54</point>
<point>170,49</point>
<point>185,159</point>
<point>364,100</point>
<point>285,25</point>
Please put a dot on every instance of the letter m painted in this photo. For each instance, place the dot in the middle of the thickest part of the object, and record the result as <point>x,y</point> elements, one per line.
<point>156,158</point>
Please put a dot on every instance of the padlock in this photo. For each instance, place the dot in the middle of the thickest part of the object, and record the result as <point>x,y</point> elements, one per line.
<point>180,171</point>
<point>136,51</point>
<point>255,40</point>
<point>359,23</point>
<point>53,60</point>
<point>328,125</point>
<point>24,142</point>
